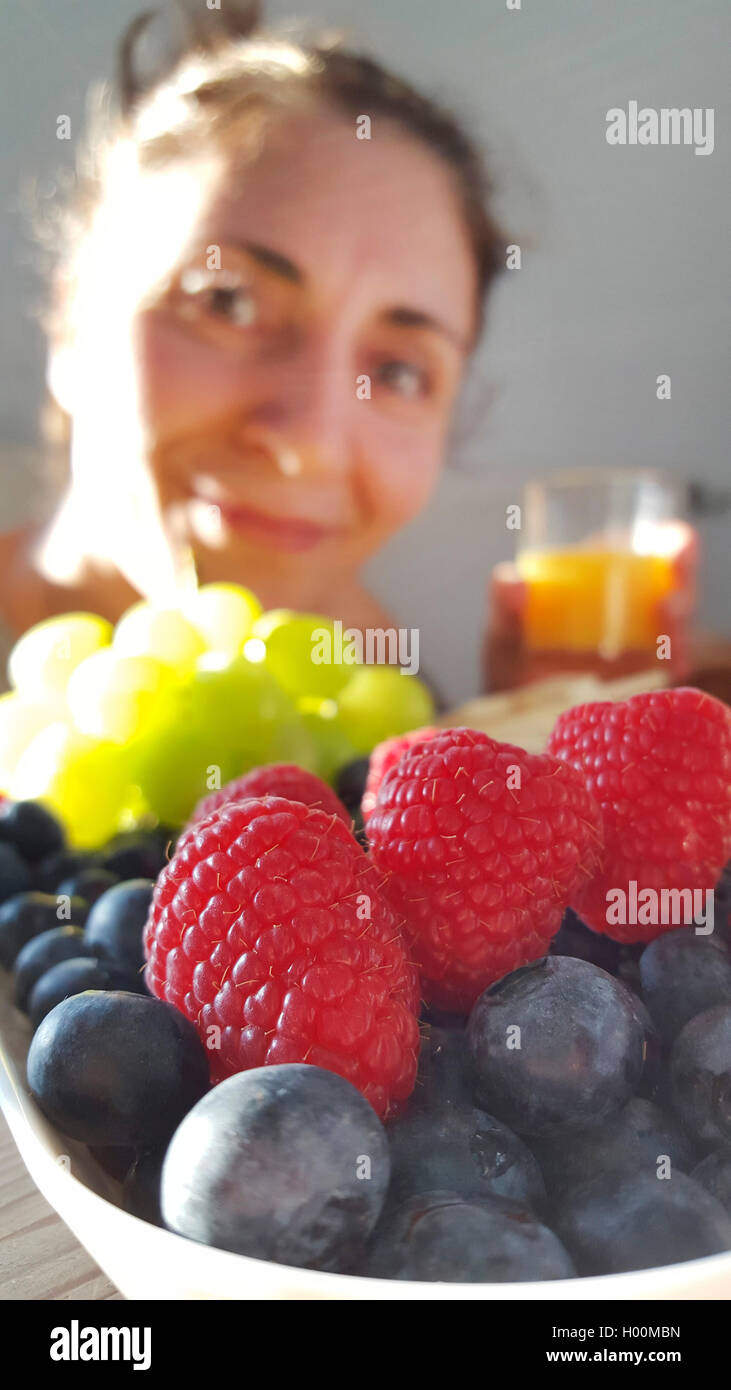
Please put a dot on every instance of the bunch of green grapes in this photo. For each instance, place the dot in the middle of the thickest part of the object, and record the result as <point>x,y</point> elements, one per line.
<point>227,716</point>
<point>347,707</point>
<point>108,724</point>
<point>84,781</point>
<point>300,651</point>
<point>380,701</point>
<point>89,702</point>
<point>42,754</point>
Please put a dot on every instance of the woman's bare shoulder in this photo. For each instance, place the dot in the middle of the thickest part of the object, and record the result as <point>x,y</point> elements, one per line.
<point>12,543</point>
<point>21,588</point>
<point>27,595</point>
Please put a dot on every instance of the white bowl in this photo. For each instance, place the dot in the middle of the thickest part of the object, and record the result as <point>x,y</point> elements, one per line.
<point>148,1263</point>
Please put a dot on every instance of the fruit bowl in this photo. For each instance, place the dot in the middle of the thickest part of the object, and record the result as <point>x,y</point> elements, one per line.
<point>153,1082</point>
<point>148,1263</point>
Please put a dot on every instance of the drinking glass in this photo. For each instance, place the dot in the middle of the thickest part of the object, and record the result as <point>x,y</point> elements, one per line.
<point>603,578</point>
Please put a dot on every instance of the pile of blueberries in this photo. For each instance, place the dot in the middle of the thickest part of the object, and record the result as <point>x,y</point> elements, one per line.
<point>579,1122</point>
<point>71,920</point>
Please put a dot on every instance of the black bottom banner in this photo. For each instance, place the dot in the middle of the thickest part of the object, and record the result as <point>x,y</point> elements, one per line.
<point>204,1339</point>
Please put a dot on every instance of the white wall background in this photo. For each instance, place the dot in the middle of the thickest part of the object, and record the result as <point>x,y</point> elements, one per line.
<point>625,271</point>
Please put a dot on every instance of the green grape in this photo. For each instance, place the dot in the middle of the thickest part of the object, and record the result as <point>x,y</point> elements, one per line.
<point>273,618</point>
<point>379,701</point>
<point>332,745</point>
<point>227,717</point>
<point>162,633</point>
<point>113,697</point>
<point>84,781</point>
<point>223,615</point>
<point>302,652</point>
<point>251,714</point>
<point>43,659</point>
<point>19,724</point>
<point>240,701</point>
<point>173,765</point>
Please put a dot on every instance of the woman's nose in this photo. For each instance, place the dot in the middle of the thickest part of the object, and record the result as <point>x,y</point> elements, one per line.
<point>306,407</point>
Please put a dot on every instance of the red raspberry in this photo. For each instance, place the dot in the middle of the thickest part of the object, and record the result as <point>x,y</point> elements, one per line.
<point>483,845</point>
<point>660,766</point>
<point>385,756</point>
<point>275,779</point>
<point>257,927</point>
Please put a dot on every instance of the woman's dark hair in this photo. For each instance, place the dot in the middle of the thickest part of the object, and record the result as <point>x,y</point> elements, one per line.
<point>219,71</point>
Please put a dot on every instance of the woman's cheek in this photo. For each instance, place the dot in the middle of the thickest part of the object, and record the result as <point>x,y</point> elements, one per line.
<point>403,477</point>
<point>182,385</point>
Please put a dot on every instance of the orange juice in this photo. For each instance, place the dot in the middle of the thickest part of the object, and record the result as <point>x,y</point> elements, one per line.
<point>599,600</point>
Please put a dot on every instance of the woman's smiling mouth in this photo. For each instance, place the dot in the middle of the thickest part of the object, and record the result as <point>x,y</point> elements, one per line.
<point>275,532</point>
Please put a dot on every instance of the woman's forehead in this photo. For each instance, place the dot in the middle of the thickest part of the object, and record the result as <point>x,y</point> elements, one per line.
<point>343,211</point>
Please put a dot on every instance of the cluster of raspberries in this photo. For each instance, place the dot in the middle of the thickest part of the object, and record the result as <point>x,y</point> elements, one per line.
<point>284,941</point>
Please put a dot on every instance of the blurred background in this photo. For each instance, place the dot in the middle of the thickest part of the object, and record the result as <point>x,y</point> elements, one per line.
<point>624,272</point>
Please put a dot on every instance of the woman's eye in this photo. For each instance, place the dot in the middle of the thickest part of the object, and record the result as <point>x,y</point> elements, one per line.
<point>404,377</point>
<point>225,297</point>
<point>236,305</point>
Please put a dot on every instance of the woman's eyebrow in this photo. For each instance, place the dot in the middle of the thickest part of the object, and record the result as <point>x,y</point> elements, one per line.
<point>404,317</point>
<point>273,260</point>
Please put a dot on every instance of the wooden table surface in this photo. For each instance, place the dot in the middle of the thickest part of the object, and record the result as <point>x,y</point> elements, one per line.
<point>39,1256</point>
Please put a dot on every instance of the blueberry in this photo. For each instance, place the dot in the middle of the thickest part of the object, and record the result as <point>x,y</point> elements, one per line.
<point>287,1163</point>
<point>56,867</point>
<point>700,1075</point>
<point>116,923</point>
<point>631,1142</point>
<point>141,1190</point>
<point>116,1069</point>
<point>441,1236</point>
<point>651,1082</point>
<point>135,855</point>
<point>574,938</point>
<point>31,829</point>
<point>88,884</point>
<point>683,975</point>
<point>74,976</point>
<point>444,1141</point>
<point>38,955</point>
<point>21,918</point>
<point>556,1045</point>
<point>350,783</point>
<point>628,965</point>
<point>14,872</point>
<point>458,1148</point>
<point>714,1174</point>
<point>445,1068</point>
<point>349,786</point>
<point>637,1221</point>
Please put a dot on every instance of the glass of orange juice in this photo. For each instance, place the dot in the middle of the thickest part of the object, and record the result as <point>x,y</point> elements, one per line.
<point>600,553</point>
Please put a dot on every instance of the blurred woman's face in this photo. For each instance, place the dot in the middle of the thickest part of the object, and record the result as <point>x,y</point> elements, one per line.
<point>297,371</point>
